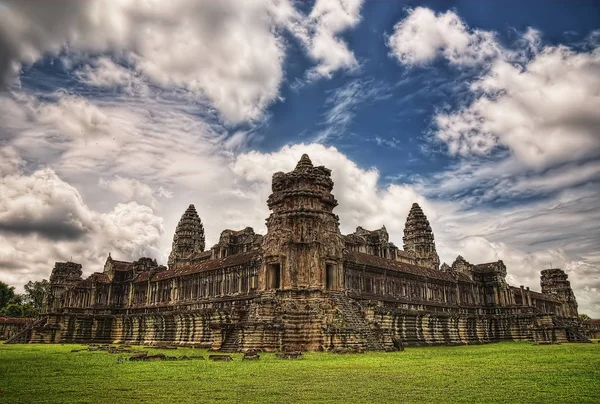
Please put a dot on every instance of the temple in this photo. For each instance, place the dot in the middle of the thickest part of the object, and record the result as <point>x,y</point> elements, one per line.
<point>302,286</point>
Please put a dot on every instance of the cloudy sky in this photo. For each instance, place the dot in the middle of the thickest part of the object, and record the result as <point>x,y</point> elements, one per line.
<point>114,116</point>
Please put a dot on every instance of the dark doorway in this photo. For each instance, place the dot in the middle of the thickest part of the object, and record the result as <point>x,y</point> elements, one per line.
<point>274,276</point>
<point>329,276</point>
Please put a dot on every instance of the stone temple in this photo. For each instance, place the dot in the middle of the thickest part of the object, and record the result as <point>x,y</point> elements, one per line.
<point>302,286</point>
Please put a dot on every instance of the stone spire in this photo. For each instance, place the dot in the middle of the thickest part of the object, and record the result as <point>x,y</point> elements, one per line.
<point>304,163</point>
<point>418,238</point>
<point>189,236</point>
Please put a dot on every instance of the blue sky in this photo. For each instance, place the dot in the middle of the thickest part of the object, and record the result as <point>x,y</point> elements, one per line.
<point>115,118</point>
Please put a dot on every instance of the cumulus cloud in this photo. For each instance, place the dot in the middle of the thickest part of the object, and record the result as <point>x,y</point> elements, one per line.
<point>425,35</point>
<point>326,21</point>
<point>44,219</point>
<point>545,112</point>
<point>226,51</point>
<point>129,189</point>
<point>229,52</point>
<point>540,103</point>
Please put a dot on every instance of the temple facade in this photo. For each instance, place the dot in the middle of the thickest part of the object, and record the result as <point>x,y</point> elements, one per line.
<point>303,286</point>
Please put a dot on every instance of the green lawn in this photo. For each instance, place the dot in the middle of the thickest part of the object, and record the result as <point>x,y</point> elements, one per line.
<point>503,372</point>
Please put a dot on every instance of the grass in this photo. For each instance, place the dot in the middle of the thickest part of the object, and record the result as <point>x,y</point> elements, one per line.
<point>503,372</point>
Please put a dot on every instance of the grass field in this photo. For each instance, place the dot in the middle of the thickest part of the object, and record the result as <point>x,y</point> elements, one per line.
<point>503,372</point>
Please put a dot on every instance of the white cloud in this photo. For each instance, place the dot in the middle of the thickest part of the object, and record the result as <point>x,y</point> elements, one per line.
<point>228,52</point>
<point>424,35</point>
<point>104,72</point>
<point>44,219</point>
<point>540,103</point>
<point>343,103</point>
<point>129,189</point>
<point>545,112</point>
<point>328,19</point>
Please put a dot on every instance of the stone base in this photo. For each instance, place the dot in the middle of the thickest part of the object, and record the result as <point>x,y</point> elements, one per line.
<point>297,320</point>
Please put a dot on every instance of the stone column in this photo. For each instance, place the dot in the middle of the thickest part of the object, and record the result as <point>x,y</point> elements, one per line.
<point>109,301</point>
<point>130,297</point>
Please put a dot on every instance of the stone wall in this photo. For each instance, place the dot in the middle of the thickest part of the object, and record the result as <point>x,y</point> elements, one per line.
<point>9,326</point>
<point>307,320</point>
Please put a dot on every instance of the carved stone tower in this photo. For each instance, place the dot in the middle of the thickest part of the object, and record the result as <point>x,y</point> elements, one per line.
<point>554,281</point>
<point>64,276</point>
<point>303,245</point>
<point>418,238</point>
<point>189,236</point>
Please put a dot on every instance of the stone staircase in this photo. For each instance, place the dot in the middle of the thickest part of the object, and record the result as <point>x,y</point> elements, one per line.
<point>354,320</point>
<point>24,336</point>
<point>232,342</point>
<point>575,332</point>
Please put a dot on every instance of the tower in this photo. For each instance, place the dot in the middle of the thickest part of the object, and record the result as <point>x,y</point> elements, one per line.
<point>554,281</point>
<point>189,236</point>
<point>64,276</point>
<point>303,245</point>
<point>418,238</point>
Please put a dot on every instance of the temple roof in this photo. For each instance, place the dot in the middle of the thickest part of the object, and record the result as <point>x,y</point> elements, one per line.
<point>192,268</point>
<point>487,267</point>
<point>95,277</point>
<point>536,295</point>
<point>122,265</point>
<point>384,263</point>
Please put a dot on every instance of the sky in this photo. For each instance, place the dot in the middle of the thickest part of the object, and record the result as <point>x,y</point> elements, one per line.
<point>115,116</point>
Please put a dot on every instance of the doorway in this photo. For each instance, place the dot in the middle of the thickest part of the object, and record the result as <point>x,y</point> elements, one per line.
<point>274,276</point>
<point>329,276</point>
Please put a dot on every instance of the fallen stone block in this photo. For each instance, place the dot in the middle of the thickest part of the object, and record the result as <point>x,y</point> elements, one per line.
<point>289,355</point>
<point>156,357</point>
<point>220,358</point>
<point>251,355</point>
<point>139,356</point>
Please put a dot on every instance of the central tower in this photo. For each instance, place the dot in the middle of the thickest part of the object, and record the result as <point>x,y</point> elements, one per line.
<point>303,245</point>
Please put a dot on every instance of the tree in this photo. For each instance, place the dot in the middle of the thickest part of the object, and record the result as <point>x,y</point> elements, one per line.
<point>35,292</point>
<point>19,307</point>
<point>6,294</point>
<point>584,317</point>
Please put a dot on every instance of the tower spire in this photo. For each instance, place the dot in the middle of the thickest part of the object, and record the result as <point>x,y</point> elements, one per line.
<point>304,163</point>
<point>418,238</point>
<point>189,236</point>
